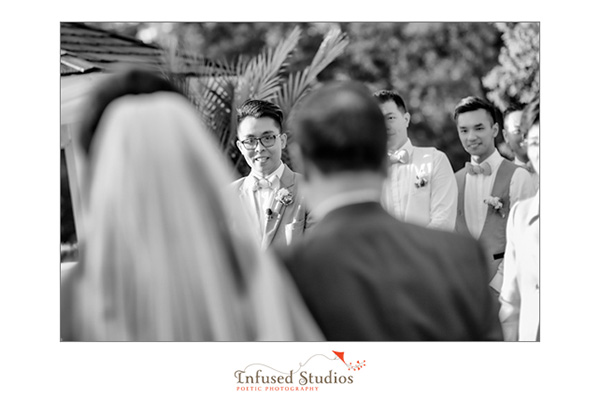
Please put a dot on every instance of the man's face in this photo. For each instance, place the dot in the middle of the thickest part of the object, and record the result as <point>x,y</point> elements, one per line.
<point>263,160</point>
<point>513,136</point>
<point>396,122</point>
<point>477,131</point>
<point>533,147</point>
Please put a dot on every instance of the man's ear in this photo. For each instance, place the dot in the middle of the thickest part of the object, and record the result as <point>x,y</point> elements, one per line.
<point>240,146</point>
<point>283,140</point>
<point>495,129</point>
<point>407,118</point>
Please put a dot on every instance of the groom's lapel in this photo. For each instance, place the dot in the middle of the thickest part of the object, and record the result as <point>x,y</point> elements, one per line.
<point>287,181</point>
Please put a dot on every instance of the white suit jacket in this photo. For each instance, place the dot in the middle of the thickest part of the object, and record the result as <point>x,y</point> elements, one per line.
<point>520,294</point>
<point>288,223</point>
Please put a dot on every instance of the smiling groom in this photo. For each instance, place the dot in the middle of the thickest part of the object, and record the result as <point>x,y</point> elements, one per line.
<point>269,193</point>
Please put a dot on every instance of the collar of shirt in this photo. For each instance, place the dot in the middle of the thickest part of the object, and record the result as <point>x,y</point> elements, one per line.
<point>494,160</point>
<point>345,199</point>
<point>519,162</point>
<point>278,172</point>
<point>408,146</point>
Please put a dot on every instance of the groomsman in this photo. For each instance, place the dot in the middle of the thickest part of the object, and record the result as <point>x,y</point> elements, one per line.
<point>420,187</point>
<point>269,193</point>
<point>488,185</point>
<point>520,296</point>
<point>363,274</point>
<point>513,136</point>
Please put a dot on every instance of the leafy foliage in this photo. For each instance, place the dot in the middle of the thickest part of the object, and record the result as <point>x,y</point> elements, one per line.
<point>265,76</point>
<point>299,82</point>
<point>432,65</point>
<point>517,77</point>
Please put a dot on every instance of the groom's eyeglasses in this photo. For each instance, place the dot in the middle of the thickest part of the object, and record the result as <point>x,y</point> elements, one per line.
<point>267,141</point>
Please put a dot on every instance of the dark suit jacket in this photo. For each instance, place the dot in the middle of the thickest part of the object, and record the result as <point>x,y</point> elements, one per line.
<point>367,276</point>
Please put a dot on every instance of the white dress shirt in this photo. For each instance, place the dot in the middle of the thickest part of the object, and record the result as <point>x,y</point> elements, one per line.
<point>263,198</point>
<point>478,187</point>
<point>434,206</point>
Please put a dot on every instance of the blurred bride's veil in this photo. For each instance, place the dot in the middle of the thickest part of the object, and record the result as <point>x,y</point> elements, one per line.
<point>168,254</point>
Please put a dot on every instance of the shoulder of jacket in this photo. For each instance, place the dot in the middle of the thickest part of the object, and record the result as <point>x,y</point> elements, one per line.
<point>238,182</point>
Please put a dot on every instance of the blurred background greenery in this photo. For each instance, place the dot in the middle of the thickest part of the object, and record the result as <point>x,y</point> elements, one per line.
<point>432,65</point>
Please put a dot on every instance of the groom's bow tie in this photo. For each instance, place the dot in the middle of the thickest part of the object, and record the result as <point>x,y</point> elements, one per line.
<point>483,168</point>
<point>261,183</point>
<point>400,156</point>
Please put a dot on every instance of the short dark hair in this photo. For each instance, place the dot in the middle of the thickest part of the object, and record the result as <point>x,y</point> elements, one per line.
<point>531,115</point>
<point>472,103</point>
<point>260,109</point>
<point>130,82</point>
<point>340,128</point>
<point>383,96</point>
<point>513,107</point>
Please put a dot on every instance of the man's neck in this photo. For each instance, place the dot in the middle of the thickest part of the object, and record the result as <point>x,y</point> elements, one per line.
<point>398,146</point>
<point>481,159</point>
<point>324,188</point>
<point>523,160</point>
<point>263,175</point>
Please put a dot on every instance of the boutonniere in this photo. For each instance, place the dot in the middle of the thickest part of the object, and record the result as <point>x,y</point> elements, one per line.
<point>283,198</point>
<point>421,179</point>
<point>496,204</point>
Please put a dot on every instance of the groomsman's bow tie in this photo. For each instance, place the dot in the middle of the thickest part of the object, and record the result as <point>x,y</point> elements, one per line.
<point>261,183</point>
<point>484,169</point>
<point>401,157</point>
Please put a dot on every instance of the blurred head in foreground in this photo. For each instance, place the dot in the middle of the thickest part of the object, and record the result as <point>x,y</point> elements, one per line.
<point>340,140</point>
<point>167,255</point>
<point>130,82</point>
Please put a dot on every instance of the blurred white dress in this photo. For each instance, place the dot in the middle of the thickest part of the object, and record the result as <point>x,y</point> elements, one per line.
<point>167,253</point>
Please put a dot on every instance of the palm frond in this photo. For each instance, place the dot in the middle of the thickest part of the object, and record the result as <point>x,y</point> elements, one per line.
<point>227,85</point>
<point>214,94</point>
<point>292,90</point>
<point>262,75</point>
<point>332,46</point>
<point>299,83</point>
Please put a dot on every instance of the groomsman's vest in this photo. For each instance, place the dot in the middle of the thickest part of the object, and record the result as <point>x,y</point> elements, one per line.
<point>493,234</point>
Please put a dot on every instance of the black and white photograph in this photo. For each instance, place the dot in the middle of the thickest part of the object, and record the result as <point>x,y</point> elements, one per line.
<point>329,200</point>
<point>338,181</point>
